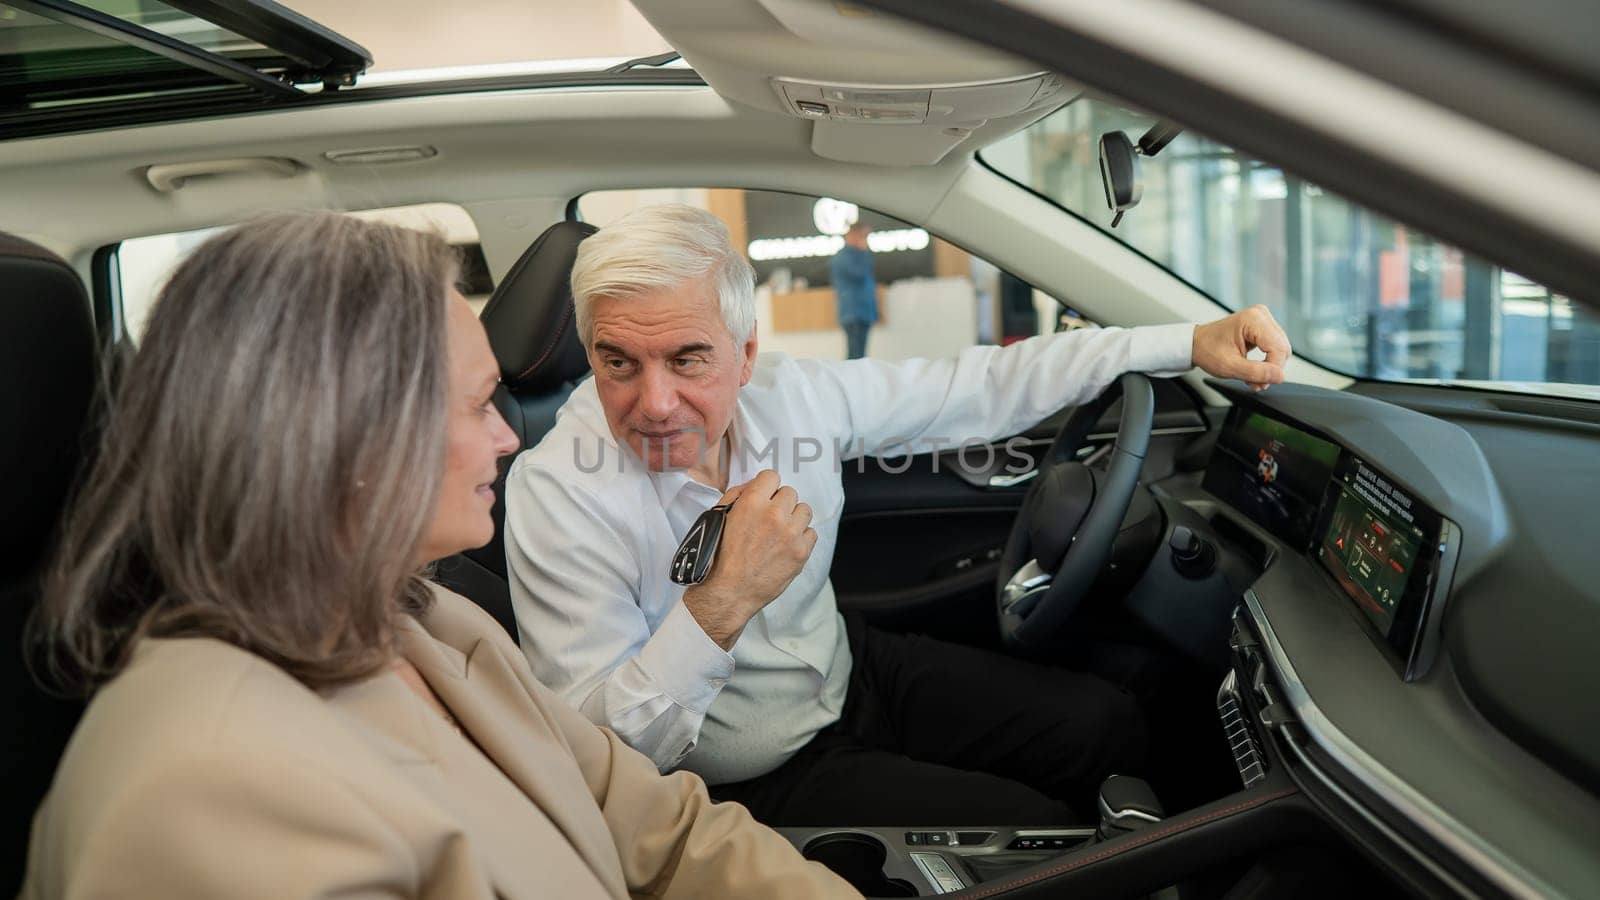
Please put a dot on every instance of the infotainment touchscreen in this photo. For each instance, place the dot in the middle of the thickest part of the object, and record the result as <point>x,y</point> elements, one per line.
<point>1272,472</point>
<point>1386,550</point>
<point>1372,542</point>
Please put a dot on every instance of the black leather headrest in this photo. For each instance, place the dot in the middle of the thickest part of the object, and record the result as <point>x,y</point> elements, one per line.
<point>530,319</point>
<point>47,356</point>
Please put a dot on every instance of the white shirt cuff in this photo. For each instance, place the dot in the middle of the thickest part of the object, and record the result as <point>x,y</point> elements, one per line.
<point>1162,348</point>
<point>684,662</point>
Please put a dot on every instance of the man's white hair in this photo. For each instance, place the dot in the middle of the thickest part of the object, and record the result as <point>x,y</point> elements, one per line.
<point>663,247</point>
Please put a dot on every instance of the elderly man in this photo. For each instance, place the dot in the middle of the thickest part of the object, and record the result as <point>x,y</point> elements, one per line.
<point>752,678</point>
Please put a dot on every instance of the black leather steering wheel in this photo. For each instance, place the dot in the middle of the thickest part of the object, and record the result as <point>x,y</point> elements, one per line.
<point>1063,536</point>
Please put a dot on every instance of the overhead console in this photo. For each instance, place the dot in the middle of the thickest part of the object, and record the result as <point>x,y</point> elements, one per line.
<point>928,120</point>
<point>877,90</point>
<point>964,106</point>
<point>1363,494</point>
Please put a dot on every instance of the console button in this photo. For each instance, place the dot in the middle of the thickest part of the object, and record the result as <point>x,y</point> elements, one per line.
<point>939,838</point>
<point>1039,843</point>
<point>914,838</point>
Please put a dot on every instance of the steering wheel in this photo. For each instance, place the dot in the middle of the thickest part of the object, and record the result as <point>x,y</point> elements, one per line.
<point>1062,537</point>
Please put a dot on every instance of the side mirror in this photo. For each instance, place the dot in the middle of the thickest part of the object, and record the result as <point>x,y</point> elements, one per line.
<point>1119,171</point>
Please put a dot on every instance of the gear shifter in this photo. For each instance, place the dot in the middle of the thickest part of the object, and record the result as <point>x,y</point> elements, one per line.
<point>1126,804</point>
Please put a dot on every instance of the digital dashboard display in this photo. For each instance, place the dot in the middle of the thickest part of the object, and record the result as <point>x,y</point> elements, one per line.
<point>1372,541</point>
<point>1272,472</point>
<point>1375,548</point>
<point>1389,552</point>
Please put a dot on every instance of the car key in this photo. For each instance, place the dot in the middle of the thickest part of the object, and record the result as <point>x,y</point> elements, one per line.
<point>699,548</point>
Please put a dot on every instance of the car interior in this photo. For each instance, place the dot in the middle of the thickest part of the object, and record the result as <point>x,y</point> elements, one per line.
<point>1359,608</point>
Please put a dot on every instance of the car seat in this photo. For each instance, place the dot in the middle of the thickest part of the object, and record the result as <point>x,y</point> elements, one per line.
<point>533,330</point>
<point>47,345</point>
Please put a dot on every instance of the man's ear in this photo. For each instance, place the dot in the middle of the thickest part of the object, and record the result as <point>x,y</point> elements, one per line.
<point>750,346</point>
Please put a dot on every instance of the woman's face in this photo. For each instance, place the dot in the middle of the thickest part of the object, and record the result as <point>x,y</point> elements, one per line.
<point>475,439</point>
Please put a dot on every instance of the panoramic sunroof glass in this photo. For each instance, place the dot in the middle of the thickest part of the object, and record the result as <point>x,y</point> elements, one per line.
<point>174,23</point>
<point>47,62</point>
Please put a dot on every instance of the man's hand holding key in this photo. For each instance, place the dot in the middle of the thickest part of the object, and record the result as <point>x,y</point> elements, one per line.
<point>765,543</point>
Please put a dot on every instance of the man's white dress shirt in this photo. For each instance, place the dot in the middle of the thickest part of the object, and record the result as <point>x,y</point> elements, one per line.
<point>590,535</point>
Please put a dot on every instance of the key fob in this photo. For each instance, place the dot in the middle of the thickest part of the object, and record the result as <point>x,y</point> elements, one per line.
<point>699,548</point>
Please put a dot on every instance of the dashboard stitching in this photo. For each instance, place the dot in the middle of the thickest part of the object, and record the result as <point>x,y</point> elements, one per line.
<point>1152,835</point>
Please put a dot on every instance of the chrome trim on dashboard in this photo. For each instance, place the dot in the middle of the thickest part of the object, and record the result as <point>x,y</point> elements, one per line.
<point>1377,824</point>
<point>1432,820</point>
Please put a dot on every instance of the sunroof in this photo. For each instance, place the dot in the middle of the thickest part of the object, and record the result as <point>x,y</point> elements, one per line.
<point>86,65</point>
<point>60,52</point>
<point>43,61</point>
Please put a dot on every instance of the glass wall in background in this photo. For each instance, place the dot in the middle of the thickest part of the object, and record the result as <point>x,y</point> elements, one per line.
<point>934,299</point>
<point>1357,291</point>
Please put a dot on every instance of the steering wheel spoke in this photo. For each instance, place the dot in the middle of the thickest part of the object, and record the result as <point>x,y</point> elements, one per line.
<point>1025,588</point>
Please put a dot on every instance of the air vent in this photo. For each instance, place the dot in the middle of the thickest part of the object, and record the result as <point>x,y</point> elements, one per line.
<point>379,156</point>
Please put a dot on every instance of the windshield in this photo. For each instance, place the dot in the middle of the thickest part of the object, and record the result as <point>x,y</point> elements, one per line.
<point>1357,292</point>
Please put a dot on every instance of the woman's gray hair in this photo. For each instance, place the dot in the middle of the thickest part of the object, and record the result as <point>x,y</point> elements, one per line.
<point>664,247</point>
<point>272,459</point>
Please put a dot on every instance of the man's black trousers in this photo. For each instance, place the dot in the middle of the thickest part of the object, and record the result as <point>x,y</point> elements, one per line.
<point>935,733</point>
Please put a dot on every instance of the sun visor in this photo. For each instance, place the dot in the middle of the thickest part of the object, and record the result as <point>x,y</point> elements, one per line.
<point>918,145</point>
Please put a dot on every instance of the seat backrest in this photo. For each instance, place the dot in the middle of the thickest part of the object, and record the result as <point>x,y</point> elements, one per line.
<point>47,355</point>
<point>533,329</point>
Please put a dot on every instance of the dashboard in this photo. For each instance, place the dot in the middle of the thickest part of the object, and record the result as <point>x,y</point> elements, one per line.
<point>1416,644</point>
<point>1389,552</point>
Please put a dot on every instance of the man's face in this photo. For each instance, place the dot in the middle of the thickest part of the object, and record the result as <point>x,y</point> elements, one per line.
<point>668,372</point>
<point>857,236</point>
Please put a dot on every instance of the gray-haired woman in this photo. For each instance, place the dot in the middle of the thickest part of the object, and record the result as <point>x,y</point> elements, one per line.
<point>284,706</point>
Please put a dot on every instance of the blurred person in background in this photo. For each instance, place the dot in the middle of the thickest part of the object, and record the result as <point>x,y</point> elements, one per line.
<point>855,289</point>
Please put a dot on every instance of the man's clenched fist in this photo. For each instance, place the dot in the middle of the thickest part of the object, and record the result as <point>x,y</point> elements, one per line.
<point>766,541</point>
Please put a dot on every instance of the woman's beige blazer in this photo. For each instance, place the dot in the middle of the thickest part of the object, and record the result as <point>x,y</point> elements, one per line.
<point>204,771</point>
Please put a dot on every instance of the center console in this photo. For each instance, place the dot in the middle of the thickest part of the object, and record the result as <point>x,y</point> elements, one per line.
<point>1136,851</point>
<point>921,862</point>
<point>924,862</point>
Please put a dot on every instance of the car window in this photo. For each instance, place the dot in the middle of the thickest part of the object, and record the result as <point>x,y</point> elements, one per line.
<point>144,263</point>
<point>929,298</point>
<point>1357,292</point>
